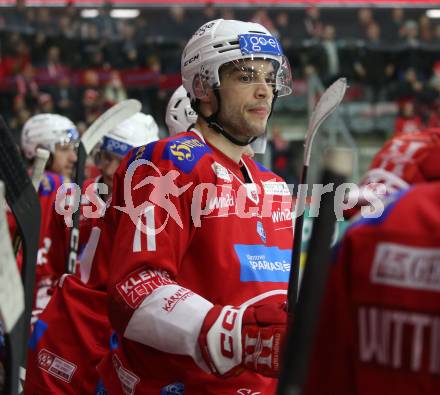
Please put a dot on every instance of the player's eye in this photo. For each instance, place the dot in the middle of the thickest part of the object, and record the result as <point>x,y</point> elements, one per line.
<point>246,78</point>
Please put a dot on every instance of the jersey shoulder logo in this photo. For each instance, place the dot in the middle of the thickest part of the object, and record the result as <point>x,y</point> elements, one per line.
<point>185,152</point>
<point>143,152</point>
<point>49,183</point>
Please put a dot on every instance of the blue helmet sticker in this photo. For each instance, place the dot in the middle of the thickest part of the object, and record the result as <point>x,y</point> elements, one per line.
<point>251,44</point>
<point>115,146</point>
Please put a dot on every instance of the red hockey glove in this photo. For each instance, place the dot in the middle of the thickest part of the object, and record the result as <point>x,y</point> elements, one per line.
<point>232,338</point>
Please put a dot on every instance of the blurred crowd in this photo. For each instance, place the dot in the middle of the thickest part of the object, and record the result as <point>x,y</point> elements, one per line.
<point>56,60</point>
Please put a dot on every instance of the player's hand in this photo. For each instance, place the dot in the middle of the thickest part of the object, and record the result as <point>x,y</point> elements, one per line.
<point>233,338</point>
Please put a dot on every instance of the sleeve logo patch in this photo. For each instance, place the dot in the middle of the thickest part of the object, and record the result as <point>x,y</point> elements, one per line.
<point>55,365</point>
<point>141,283</point>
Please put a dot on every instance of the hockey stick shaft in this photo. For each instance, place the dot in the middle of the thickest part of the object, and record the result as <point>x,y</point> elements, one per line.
<point>299,341</point>
<point>106,122</point>
<point>41,158</point>
<point>327,104</point>
<point>24,203</point>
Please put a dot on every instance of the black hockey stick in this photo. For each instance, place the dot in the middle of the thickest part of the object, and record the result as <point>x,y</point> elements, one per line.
<point>326,105</point>
<point>299,341</point>
<point>106,122</point>
<point>24,203</point>
<point>41,158</point>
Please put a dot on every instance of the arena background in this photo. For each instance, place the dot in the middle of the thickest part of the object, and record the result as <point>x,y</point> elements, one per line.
<point>78,58</point>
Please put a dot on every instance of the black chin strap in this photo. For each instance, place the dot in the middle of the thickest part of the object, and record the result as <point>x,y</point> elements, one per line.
<point>214,124</point>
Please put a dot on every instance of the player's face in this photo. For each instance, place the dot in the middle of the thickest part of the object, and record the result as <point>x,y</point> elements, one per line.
<point>64,159</point>
<point>246,93</point>
<point>108,165</point>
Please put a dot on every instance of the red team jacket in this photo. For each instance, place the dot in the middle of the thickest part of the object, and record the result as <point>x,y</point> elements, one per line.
<point>190,236</point>
<point>380,322</point>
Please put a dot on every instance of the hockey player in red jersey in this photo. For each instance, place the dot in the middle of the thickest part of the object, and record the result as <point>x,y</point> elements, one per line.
<point>58,135</point>
<point>73,332</point>
<point>133,132</point>
<point>379,326</point>
<point>380,319</point>
<point>199,269</point>
<point>403,161</point>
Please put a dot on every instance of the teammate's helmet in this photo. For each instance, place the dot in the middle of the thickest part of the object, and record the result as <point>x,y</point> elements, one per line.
<point>180,116</point>
<point>405,160</point>
<point>139,129</point>
<point>46,131</point>
<point>227,41</point>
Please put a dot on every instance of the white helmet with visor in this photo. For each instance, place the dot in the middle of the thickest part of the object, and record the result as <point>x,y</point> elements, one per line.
<point>219,42</point>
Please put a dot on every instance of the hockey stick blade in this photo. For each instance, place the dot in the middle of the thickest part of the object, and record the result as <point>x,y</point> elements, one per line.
<point>327,103</point>
<point>24,204</point>
<point>107,121</point>
<point>38,167</point>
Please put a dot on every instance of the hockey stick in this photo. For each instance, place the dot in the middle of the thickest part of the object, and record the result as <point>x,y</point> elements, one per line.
<point>299,341</point>
<point>11,299</point>
<point>38,167</point>
<point>326,105</point>
<point>25,205</point>
<point>106,122</point>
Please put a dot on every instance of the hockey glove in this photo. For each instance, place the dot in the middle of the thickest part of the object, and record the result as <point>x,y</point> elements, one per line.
<point>233,338</point>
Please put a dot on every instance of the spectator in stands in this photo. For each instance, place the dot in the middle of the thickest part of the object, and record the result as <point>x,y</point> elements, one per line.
<point>325,56</point>
<point>373,66</point>
<point>114,91</point>
<point>436,34</point>
<point>434,118</point>
<point>44,22</point>
<point>91,108</point>
<point>227,13</point>
<point>313,24</point>
<point>53,66</point>
<point>64,96</point>
<point>27,87</point>
<point>425,29</point>
<point>394,26</point>
<point>45,103</point>
<point>105,24</point>
<point>17,20</point>
<point>411,86</point>
<point>17,57</point>
<point>262,17</point>
<point>407,121</point>
<point>365,19</point>
<point>410,33</point>
<point>283,27</point>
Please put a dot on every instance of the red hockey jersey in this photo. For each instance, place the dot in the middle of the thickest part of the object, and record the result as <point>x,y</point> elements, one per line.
<point>194,228</point>
<point>64,364</point>
<point>379,331</point>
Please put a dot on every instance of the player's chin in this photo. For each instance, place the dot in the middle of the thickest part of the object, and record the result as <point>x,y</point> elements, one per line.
<point>67,172</point>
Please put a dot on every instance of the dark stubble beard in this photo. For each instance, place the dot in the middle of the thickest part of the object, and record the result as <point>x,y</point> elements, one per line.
<point>236,125</point>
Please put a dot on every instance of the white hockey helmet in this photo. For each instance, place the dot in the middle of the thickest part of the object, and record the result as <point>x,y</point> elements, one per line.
<point>139,129</point>
<point>46,131</point>
<point>180,115</point>
<point>224,41</point>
